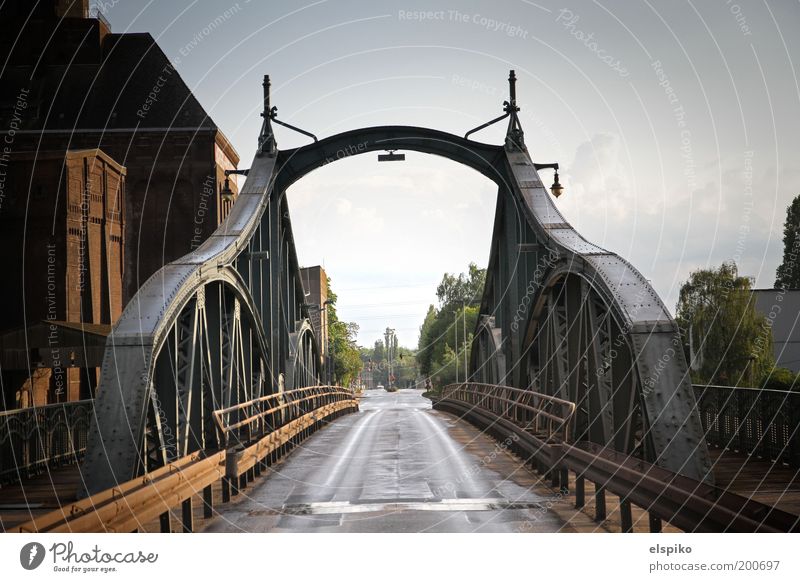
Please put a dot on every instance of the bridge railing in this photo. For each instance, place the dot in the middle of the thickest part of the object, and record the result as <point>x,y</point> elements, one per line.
<point>666,496</point>
<point>540,413</point>
<point>261,431</point>
<point>759,422</point>
<point>33,439</point>
<point>253,419</point>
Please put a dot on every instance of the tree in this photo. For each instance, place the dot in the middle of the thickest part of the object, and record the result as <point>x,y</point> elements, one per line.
<point>466,288</point>
<point>425,345</point>
<point>405,367</point>
<point>729,342</point>
<point>442,342</point>
<point>788,274</point>
<point>342,344</point>
<point>781,379</point>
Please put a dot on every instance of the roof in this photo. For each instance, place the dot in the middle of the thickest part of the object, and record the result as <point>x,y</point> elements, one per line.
<point>70,154</point>
<point>114,93</point>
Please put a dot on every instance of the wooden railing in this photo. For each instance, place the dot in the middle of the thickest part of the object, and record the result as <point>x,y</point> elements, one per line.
<point>510,416</point>
<point>540,413</point>
<point>759,422</point>
<point>259,432</point>
<point>243,422</point>
<point>33,439</point>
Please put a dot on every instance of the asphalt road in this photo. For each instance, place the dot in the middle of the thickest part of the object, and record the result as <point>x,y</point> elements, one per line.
<point>396,466</point>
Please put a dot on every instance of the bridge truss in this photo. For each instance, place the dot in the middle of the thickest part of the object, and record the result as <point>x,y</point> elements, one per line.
<point>226,325</point>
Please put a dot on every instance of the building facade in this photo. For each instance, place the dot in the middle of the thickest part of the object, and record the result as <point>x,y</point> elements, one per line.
<point>71,85</point>
<point>65,257</point>
<point>315,286</point>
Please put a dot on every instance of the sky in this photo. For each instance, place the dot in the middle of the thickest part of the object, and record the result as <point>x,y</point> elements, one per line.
<point>675,124</point>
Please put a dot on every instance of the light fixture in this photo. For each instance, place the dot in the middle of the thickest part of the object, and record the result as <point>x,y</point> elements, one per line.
<point>227,194</point>
<point>557,189</point>
<point>391,157</point>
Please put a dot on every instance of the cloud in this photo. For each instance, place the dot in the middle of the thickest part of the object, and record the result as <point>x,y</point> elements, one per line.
<point>343,206</point>
<point>598,171</point>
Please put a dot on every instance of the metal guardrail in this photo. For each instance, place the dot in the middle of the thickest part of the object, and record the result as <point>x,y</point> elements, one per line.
<point>667,496</point>
<point>759,422</point>
<point>32,439</point>
<point>262,431</point>
<point>545,415</point>
<point>244,422</point>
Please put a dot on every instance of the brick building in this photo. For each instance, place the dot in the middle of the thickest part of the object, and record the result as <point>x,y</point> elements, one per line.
<point>71,86</point>
<point>315,284</point>
<point>66,255</point>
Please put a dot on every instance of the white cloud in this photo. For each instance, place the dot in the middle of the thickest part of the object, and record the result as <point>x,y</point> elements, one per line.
<point>343,206</point>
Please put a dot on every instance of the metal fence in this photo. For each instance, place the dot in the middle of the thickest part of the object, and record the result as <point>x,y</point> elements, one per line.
<point>541,413</point>
<point>32,439</point>
<point>759,422</point>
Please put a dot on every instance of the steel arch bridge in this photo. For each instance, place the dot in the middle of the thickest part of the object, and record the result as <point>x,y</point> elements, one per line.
<point>226,325</point>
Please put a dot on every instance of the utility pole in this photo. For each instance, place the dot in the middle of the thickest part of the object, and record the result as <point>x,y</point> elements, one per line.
<point>455,342</point>
<point>391,345</point>
<point>466,367</point>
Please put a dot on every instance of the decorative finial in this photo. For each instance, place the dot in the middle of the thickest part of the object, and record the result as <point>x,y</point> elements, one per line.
<point>266,141</point>
<point>515,137</point>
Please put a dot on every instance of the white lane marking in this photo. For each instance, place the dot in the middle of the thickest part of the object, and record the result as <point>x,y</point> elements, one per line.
<point>334,507</point>
<point>352,442</point>
<point>457,454</point>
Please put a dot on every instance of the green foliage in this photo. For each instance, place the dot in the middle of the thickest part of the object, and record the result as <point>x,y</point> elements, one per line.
<point>342,344</point>
<point>787,275</point>
<point>731,343</point>
<point>781,379</point>
<point>442,345</point>
<point>466,288</point>
<point>406,370</point>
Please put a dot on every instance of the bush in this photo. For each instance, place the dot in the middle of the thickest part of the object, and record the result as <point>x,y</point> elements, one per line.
<point>781,379</point>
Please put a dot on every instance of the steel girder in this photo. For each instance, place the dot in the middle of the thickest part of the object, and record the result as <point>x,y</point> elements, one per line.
<point>646,392</point>
<point>209,330</point>
<point>295,163</point>
<point>581,323</point>
<point>169,341</point>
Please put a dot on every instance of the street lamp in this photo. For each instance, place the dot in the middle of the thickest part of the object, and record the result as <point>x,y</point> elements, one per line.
<point>390,156</point>
<point>556,189</point>
<point>227,193</point>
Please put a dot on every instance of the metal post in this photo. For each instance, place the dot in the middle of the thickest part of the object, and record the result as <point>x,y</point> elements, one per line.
<point>625,516</point>
<point>580,492</point>
<point>208,502</point>
<point>455,342</point>
<point>655,523</point>
<point>466,375</point>
<point>186,515</point>
<point>599,502</point>
<point>564,477</point>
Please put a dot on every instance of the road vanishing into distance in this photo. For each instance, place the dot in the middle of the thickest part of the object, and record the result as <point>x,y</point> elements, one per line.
<point>398,466</point>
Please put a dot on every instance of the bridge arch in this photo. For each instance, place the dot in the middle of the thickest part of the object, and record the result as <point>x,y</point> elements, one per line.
<point>542,275</point>
<point>295,163</point>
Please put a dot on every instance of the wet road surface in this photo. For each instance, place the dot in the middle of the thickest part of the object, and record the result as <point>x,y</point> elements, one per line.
<point>395,466</point>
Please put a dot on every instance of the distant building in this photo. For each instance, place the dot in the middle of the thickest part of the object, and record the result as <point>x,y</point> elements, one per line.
<point>315,284</point>
<point>70,85</point>
<point>782,310</point>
